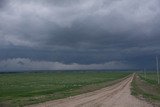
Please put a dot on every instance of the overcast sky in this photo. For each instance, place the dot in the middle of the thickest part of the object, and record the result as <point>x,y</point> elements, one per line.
<point>79,34</point>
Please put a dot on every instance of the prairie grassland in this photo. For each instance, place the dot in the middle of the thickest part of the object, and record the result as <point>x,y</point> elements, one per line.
<point>146,87</point>
<point>27,88</point>
<point>150,78</point>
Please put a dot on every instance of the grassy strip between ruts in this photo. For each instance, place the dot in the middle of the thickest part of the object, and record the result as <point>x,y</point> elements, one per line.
<point>145,90</point>
<point>24,89</point>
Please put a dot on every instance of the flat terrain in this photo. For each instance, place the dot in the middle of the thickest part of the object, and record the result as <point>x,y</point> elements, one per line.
<point>28,88</point>
<point>117,95</point>
<point>146,87</point>
<point>150,78</point>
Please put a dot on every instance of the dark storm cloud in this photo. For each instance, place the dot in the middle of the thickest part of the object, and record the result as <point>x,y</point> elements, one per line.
<point>2,3</point>
<point>83,32</point>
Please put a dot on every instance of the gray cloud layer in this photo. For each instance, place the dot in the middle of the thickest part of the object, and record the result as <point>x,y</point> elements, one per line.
<point>81,31</point>
<point>27,64</point>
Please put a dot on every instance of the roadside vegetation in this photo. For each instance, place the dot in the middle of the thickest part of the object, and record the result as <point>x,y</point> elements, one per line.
<point>27,88</point>
<point>145,87</point>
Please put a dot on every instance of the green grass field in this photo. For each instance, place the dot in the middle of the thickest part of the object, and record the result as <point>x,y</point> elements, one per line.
<point>26,88</point>
<point>149,77</point>
<point>146,86</point>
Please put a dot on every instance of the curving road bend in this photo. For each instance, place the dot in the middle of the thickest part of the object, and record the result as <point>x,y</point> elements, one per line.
<point>117,95</point>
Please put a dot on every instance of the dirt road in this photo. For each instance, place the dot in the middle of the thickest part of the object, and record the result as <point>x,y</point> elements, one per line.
<point>117,95</point>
